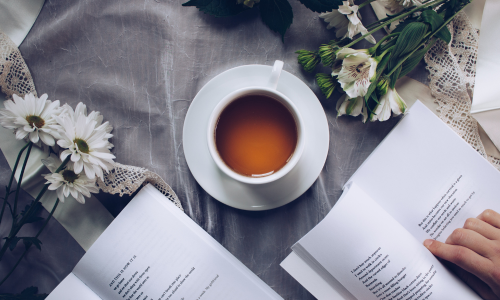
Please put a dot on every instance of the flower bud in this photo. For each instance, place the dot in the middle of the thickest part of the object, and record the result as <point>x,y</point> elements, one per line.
<point>309,60</point>
<point>382,86</point>
<point>328,54</point>
<point>326,84</point>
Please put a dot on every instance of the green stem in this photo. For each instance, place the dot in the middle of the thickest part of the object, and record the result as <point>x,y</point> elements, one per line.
<point>372,25</point>
<point>374,48</point>
<point>44,189</point>
<point>20,180</point>
<point>393,20</point>
<point>15,228</point>
<point>36,236</point>
<point>11,180</point>
<point>364,4</point>
<point>385,52</point>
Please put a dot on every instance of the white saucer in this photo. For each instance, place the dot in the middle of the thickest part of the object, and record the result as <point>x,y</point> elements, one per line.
<point>235,193</point>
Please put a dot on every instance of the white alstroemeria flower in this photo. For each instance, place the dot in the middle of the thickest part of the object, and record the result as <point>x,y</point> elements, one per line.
<point>66,182</point>
<point>347,21</point>
<point>410,3</point>
<point>31,117</point>
<point>85,138</point>
<point>391,101</point>
<point>395,6</point>
<point>357,71</point>
<point>353,107</point>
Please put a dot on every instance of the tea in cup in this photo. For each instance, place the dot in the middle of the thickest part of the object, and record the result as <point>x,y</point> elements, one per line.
<point>256,134</point>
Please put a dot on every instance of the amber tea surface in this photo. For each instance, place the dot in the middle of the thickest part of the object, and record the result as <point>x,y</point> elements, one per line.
<point>256,135</point>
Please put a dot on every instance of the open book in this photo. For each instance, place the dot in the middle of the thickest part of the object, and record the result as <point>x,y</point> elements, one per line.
<point>423,181</point>
<point>152,250</point>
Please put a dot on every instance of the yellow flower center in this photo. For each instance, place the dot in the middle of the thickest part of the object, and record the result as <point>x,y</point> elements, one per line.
<point>82,145</point>
<point>70,176</point>
<point>35,121</point>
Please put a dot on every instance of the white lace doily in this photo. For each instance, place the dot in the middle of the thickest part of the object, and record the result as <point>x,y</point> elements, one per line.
<point>15,78</point>
<point>452,71</point>
<point>124,179</point>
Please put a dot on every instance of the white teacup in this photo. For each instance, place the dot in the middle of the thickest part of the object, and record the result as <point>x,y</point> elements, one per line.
<point>269,91</point>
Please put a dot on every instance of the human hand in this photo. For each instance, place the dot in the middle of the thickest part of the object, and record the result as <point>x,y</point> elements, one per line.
<point>475,252</point>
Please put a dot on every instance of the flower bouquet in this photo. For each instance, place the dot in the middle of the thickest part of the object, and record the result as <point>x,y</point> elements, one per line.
<point>79,149</point>
<point>367,77</point>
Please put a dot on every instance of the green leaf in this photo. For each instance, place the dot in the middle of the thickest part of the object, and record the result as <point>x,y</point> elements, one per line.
<point>277,15</point>
<point>12,242</point>
<point>218,8</point>
<point>412,62</point>
<point>371,89</point>
<point>444,34</point>
<point>380,69</point>
<point>432,18</point>
<point>386,46</point>
<point>410,37</point>
<point>321,5</point>
<point>32,218</point>
<point>28,241</point>
<point>401,26</point>
<point>382,64</point>
<point>436,20</point>
<point>372,104</point>
<point>395,76</point>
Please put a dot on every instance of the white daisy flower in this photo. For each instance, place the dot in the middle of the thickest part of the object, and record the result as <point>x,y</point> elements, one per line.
<point>353,107</point>
<point>336,20</point>
<point>66,182</point>
<point>347,21</point>
<point>357,71</point>
<point>394,6</point>
<point>81,109</point>
<point>85,138</point>
<point>31,117</point>
<point>391,101</point>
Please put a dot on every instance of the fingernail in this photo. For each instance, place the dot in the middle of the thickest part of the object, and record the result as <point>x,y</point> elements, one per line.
<point>427,243</point>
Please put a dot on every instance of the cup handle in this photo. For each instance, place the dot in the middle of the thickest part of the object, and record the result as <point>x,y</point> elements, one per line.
<point>275,74</point>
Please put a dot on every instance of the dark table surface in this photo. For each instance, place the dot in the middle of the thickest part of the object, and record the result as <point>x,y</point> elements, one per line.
<point>140,63</point>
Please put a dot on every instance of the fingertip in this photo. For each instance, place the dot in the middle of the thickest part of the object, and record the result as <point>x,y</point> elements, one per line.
<point>428,243</point>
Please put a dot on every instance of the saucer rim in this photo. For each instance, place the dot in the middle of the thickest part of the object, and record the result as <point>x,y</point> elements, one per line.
<point>323,149</point>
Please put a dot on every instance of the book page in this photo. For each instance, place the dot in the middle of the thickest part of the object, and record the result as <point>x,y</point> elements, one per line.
<point>72,287</point>
<point>323,288</point>
<point>374,257</point>
<point>428,178</point>
<point>152,250</point>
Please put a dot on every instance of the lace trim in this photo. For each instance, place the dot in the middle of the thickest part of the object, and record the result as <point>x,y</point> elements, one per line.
<point>15,78</point>
<point>128,179</point>
<point>452,72</point>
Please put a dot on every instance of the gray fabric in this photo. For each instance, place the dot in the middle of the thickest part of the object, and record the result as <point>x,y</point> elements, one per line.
<point>140,63</point>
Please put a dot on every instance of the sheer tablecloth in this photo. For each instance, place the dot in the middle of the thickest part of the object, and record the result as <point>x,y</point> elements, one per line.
<point>140,63</point>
